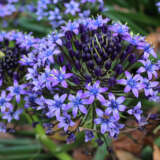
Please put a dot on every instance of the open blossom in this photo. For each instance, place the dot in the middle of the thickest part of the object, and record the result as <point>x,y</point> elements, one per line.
<point>115,105</point>
<point>88,136</point>
<point>136,111</point>
<point>106,123</point>
<point>5,102</point>
<point>55,106</point>
<point>17,90</point>
<point>150,68</point>
<point>72,7</point>
<point>149,86</point>
<point>132,83</point>
<point>155,97</point>
<point>77,103</point>
<point>60,77</point>
<point>120,29</point>
<point>65,122</point>
<point>94,92</point>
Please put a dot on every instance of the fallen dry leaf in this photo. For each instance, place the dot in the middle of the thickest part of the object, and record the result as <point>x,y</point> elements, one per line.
<point>6,136</point>
<point>123,155</point>
<point>82,154</point>
<point>156,152</point>
<point>127,144</point>
<point>135,140</point>
<point>154,39</point>
<point>124,142</point>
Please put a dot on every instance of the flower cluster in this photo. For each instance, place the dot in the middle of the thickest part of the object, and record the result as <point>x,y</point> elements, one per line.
<point>13,46</point>
<point>92,74</point>
<point>55,10</point>
<point>7,7</point>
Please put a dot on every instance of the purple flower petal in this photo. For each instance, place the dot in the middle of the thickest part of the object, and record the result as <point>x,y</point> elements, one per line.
<point>128,75</point>
<point>122,81</point>
<point>120,100</point>
<point>67,75</point>
<point>75,111</point>
<point>91,99</point>
<point>121,108</point>
<point>103,128</point>
<point>141,70</point>
<point>101,90</point>
<point>99,112</point>
<point>18,98</point>
<point>83,109</point>
<point>130,111</point>
<point>108,111</point>
<point>149,75</point>
<point>97,121</point>
<point>64,84</point>
<point>116,114</point>
<point>111,96</point>
<point>127,89</point>
<point>138,116</point>
<point>101,98</point>
<point>135,92</point>
<point>63,97</point>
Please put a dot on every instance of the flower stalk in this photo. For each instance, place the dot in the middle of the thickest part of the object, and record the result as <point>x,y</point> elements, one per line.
<point>46,141</point>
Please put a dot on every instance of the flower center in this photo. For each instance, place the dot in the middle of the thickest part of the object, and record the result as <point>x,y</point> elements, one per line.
<point>16,90</point>
<point>60,77</point>
<point>132,83</point>
<point>49,53</point>
<point>103,120</point>
<point>2,101</point>
<point>147,85</point>
<point>149,67</point>
<point>94,91</point>
<point>114,104</point>
<point>77,102</point>
<point>67,120</point>
<point>58,104</point>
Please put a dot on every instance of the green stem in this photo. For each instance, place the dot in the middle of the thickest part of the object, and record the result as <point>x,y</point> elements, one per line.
<point>47,142</point>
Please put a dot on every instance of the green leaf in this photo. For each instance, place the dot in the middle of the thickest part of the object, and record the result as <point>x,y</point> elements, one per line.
<point>157,142</point>
<point>26,157</point>
<point>121,3</point>
<point>101,153</point>
<point>147,153</point>
<point>20,141</point>
<point>20,149</point>
<point>138,17</point>
<point>31,25</point>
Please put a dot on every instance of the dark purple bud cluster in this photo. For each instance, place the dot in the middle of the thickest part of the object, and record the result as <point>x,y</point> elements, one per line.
<point>10,56</point>
<point>13,46</point>
<point>97,55</point>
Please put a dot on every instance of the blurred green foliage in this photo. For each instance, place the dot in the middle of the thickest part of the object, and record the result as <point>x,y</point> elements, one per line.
<point>141,15</point>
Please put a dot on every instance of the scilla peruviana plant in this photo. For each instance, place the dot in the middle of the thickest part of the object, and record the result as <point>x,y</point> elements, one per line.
<point>93,74</point>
